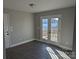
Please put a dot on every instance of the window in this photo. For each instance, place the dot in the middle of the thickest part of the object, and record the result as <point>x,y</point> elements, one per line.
<point>50,27</point>
<point>45,29</point>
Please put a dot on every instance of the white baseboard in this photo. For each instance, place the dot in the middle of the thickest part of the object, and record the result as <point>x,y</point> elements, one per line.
<point>21,43</point>
<point>64,47</point>
<point>37,40</point>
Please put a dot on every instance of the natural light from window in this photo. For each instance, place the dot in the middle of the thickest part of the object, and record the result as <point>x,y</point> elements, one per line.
<point>64,55</point>
<point>54,29</point>
<point>54,55</point>
<point>51,53</point>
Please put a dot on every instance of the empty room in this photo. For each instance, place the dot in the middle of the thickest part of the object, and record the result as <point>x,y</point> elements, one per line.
<point>39,29</point>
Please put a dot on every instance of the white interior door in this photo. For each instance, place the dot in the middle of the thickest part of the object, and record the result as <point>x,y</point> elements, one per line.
<point>6,30</point>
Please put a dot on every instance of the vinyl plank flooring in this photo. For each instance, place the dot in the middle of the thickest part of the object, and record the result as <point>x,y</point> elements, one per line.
<point>31,50</point>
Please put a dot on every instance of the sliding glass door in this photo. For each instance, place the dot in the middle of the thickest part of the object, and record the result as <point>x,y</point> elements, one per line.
<point>54,29</point>
<point>45,29</point>
<point>50,27</point>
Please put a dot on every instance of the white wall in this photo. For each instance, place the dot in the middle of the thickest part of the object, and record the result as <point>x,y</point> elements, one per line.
<point>67,27</point>
<point>21,24</point>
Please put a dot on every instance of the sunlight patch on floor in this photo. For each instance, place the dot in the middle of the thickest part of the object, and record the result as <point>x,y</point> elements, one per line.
<point>65,56</point>
<point>52,53</point>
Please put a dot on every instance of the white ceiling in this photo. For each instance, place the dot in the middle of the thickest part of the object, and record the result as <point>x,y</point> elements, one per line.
<point>40,5</point>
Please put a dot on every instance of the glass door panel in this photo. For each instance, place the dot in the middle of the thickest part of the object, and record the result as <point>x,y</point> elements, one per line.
<point>45,29</point>
<point>54,29</point>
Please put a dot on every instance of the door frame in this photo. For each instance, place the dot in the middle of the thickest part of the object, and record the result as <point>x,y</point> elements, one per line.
<point>49,26</point>
<point>7,15</point>
<point>44,17</point>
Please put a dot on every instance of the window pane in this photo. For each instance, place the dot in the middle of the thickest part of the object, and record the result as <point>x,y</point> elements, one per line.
<point>45,29</point>
<point>54,29</point>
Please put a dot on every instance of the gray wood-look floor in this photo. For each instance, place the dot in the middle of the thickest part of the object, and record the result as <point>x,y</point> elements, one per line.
<point>32,50</point>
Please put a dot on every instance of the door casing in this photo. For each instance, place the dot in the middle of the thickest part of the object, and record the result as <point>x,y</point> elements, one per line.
<point>49,26</point>
<point>6,30</point>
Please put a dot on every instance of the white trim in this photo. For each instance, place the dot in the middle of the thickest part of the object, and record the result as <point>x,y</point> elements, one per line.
<point>64,47</point>
<point>37,40</point>
<point>21,43</point>
<point>6,27</point>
